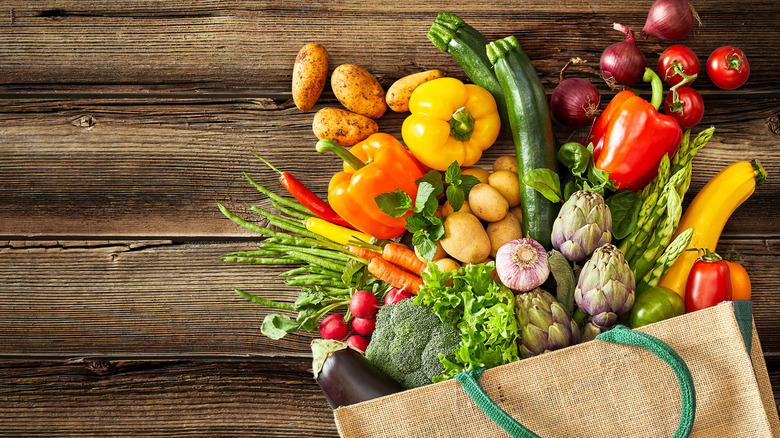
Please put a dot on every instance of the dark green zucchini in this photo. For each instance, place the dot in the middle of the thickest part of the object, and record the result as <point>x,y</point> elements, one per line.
<point>529,120</point>
<point>467,46</point>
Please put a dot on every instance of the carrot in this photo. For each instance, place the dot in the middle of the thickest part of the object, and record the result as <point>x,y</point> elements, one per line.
<point>363,252</point>
<point>404,257</point>
<point>394,275</point>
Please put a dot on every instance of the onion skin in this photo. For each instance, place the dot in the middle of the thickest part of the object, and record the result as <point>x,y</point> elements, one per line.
<point>623,63</point>
<point>574,101</point>
<point>669,20</point>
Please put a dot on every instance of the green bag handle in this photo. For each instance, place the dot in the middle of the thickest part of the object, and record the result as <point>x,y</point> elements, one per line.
<point>469,380</point>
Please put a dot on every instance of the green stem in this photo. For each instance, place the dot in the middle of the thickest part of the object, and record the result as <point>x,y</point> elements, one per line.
<point>263,301</point>
<point>462,124</point>
<point>656,85</point>
<point>326,145</point>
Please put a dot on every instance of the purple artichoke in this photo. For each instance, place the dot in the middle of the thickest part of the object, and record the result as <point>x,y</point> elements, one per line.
<point>605,289</point>
<point>583,224</point>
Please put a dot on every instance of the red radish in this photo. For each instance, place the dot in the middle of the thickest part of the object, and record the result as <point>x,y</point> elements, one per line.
<point>364,326</point>
<point>358,342</point>
<point>334,327</point>
<point>363,304</point>
<point>395,295</point>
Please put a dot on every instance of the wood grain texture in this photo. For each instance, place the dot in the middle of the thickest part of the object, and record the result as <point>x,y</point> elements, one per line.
<point>162,399</point>
<point>154,168</point>
<point>161,299</point>
<point>250,46</point>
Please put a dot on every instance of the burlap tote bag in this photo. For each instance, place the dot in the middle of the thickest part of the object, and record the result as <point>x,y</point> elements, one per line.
<point>700,375</point>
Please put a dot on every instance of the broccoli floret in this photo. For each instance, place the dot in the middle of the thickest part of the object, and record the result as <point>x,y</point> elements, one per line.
<point>407,341</point>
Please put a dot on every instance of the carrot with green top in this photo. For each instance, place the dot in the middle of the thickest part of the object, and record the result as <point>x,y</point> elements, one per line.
<point>404,257</point>
<point>394,275</point>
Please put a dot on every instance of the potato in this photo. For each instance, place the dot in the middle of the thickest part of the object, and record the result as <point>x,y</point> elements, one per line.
<point>447,264</point>
<point>508,184</point>
<point>310,73</point>
<point>358,90</point>
<point>447,210</point>
<point>487,203</point>
<point>399,93</point>
<point>503,231</point>
<point>505,163</point>
<point>343,127</point>
<point>518,212</point>
<point>481,174</point>
<point>465,239</point>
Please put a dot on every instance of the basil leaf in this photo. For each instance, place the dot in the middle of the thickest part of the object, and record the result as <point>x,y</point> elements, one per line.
<point>575,156</point>
<point>546,182</point>
<point>275,326</point>
<point>624,206</point>
<point>394,204</point>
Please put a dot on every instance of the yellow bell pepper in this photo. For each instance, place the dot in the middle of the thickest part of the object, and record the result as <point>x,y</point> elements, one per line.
<point>450,121</point>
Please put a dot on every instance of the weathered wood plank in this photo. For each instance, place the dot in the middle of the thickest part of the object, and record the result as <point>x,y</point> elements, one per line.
<point>144,168</point>
<point>249,46</point>
<point>161,299</point>
<point>163,399</point>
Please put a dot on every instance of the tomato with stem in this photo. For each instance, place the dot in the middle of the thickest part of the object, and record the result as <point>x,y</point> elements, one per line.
<point>709,282</point>
<point>676,63</point>
<point>728,67</point>
<point>687,108</point>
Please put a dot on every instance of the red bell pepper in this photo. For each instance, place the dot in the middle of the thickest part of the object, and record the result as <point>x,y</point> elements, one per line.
<point>709,282</point>
<point>631,136</point>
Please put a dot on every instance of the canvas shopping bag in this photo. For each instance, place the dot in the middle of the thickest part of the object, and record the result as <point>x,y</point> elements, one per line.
<point>597,389</point>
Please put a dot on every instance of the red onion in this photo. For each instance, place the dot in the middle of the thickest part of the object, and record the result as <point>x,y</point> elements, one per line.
<point>669,19</point>
<point>623,63</point>
<point>574,101</point>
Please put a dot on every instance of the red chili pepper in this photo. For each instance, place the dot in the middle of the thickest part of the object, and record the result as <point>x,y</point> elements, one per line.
<point>709,282</point>
<point>306,197</point>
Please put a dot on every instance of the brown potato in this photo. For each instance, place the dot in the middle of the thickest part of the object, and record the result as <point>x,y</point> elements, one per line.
<point>518,212</point>
<point>487,203</point>
<point>343,127</point>
<point>508,184</point>
<point>310,73</point>
<point>447,210</point>
<point>358,90</point>
<point>447,264</point>
<point>505,163</point>
<point>399,93</point>
<point>480,173</point>
<point>503,231</point>
<point>465,239</point>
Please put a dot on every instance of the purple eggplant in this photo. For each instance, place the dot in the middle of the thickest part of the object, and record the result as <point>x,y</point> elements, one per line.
<point>347,377</point>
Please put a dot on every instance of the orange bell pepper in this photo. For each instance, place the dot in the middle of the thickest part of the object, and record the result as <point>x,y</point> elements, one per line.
<point>378,164</point>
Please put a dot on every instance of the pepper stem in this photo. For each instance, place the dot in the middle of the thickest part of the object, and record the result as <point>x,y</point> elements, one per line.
<point>462,124</point>
<point>326,145</point>
<point>656,85</point>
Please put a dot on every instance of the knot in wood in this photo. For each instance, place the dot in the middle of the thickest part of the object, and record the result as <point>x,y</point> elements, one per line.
<point>84,121</point>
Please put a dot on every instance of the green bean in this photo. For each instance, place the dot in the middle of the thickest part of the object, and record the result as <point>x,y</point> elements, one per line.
<point>325,253</point>
<point>312,282</point>
<point>289,211</point>
<point>286,224</point>
<point>271,195</point>
<point>250,226</point>
<point>317,261</point>
<point>263,301</point>
<point>261,260</point>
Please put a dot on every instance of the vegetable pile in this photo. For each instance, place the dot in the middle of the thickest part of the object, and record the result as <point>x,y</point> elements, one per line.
<point>421,264</point>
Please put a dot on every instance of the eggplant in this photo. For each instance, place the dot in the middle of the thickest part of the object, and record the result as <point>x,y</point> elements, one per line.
<point>347,377</point>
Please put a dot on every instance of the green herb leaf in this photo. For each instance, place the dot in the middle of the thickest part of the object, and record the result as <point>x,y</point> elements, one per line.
<point>546,182</point>
<point>395,204</point>
<point>433,177</point>
<point>424,245</point>
<point>424,192</point>
<point>308,297</point>
<point>575,156</point>
<point>453,173</point>
<point>417,222</point>
<point>624,206</point>
<point>275,326</point>
<point>455,196</point>
<point>467,182</point>
<point>351,267</point>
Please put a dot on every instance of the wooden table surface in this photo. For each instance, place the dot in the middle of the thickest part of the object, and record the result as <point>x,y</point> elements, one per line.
<point>123,123</point>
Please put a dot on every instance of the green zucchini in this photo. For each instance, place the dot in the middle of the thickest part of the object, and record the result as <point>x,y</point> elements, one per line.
<point>449,33</point>
<point>529,120</point>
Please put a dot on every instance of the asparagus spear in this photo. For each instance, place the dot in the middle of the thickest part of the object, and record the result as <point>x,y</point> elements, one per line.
<point>666,260</point>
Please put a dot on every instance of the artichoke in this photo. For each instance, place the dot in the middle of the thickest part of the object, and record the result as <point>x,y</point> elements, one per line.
<point>605,288</point>
<point>583,224</point>
<point>543,324</point>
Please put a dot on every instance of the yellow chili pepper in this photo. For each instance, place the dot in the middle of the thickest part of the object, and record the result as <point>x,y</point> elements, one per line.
<point>336,233</point>
<point>450,121</point>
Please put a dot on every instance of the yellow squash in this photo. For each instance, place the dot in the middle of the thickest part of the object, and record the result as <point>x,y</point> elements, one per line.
<point>708,213</point>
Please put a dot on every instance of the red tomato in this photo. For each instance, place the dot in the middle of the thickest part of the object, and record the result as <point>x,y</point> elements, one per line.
<point>728,68</point>
<point>709,283</point>
<point>688,61</point>
<point>689,110</point>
